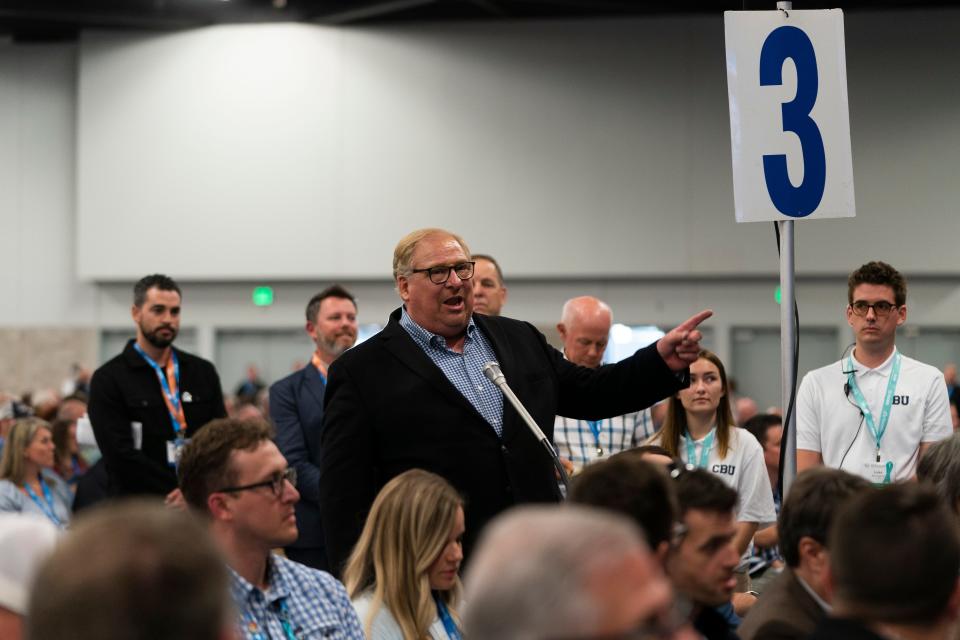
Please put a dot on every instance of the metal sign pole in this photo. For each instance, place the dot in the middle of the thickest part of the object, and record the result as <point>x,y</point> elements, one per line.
<point>788,341</point>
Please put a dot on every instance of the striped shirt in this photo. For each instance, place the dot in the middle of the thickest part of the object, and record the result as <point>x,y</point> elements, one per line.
<point>463,370</point>
<point>576,440</point>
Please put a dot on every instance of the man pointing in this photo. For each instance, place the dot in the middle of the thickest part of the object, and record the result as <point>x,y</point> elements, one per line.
<point>414,396</point>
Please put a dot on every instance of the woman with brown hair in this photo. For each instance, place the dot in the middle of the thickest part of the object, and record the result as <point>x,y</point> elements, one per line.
<point>403,573</point>
<point>700,430</point>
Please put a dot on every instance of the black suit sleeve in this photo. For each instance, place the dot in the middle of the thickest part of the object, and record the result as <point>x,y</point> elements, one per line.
<point>112,429</point>
<point>291,440</point>
<point>632,384</point>
<point>348,476</point>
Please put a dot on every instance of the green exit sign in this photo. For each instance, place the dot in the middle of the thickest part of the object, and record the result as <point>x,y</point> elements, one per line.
<point>263,296</point>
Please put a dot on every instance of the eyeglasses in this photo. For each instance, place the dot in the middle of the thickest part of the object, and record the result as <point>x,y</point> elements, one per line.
<point>882,309</point>
<point>276,483</point>
<point>441,273</point>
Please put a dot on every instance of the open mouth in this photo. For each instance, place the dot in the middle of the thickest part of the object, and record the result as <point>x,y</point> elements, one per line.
<point>453,302</point>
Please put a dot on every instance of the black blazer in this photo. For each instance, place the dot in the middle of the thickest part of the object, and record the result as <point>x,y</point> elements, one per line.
<point>389,408</point>
<point>296,409</point>
<point>125,390</point>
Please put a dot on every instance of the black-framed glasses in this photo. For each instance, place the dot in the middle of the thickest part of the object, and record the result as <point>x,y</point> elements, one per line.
<point>441,273</point>
<point>881,309</point>
<point>275,483</point>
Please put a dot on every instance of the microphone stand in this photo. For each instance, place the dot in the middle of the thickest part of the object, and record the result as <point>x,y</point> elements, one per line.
<point>493,373</point>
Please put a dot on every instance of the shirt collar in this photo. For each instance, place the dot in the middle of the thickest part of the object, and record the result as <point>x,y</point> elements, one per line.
<point>278,584</point>
<point>425,337</point>
<point>884,369</point>
<point>813,594</point>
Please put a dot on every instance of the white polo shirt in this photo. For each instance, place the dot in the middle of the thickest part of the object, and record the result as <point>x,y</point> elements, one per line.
<point>829,422</point>
<point>743,470</point>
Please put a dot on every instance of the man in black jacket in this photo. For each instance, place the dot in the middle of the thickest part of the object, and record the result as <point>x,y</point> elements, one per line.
<point>414,396</point>
<point>148,401</point>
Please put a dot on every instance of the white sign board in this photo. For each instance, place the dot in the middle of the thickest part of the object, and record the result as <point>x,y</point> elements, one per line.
<point>789,120</point>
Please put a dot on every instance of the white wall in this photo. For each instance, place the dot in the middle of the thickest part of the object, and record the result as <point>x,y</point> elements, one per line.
<point>568,149</point>
<point>904,107</point>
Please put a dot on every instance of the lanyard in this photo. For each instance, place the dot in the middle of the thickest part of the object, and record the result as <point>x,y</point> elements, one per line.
<point>253,629</point>
<point>170,386</point>
<point>876,431</point>
<point>704,452</point>
<point>447,619</point>
<point>48,508</point>
<point>321,368</point>
<point>595,430</point>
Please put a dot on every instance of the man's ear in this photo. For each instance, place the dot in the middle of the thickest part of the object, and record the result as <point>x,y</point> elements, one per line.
<point>219,506</point>
<point>135,313</point>
<point>901,314</point>
<point>403,287</point>
<point>562,330</point>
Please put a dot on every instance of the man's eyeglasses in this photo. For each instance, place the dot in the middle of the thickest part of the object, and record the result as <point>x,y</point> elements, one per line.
<point>441,273</point>
<point>882,309</point>
<point>276,483</point>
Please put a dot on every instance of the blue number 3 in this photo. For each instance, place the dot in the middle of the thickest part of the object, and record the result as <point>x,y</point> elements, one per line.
<point>796,202</point>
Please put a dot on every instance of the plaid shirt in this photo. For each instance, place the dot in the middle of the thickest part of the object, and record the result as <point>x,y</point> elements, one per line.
<point>463,370</point>
<point>575,440</point>
<point>313,604</point>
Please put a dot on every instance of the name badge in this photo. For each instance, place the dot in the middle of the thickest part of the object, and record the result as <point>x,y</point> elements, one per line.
<point>174,449</point>
<point>879,473</point>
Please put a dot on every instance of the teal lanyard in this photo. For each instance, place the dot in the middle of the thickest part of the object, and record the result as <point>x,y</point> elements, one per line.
<point>447,619</point>
<point>875,430</point>
<point>254,631</point>
<point>595,430</point>
<point>48,509</point>
<point>704,452</point>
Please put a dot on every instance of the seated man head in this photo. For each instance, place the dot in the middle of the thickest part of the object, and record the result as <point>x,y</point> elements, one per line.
<point>133,571</point>
<point>635,488</point>
<point>805,519</point>
<point>566,572</point>
<point>703,556</point>
<point>894,555</point>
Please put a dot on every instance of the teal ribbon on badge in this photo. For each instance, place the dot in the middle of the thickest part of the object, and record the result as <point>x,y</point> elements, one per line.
<point>704,452</point>
<point>886,478</point>
<point>876,431</point>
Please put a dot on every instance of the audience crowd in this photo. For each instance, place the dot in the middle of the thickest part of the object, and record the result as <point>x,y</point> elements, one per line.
<point>207,519</point>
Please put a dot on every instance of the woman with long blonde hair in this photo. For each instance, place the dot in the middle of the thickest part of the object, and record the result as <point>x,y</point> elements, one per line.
<point>28,483</point>
<point>700,430</point>
<point>403,573</point>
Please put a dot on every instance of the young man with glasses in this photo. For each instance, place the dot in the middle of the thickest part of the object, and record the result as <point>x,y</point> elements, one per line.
<point>233,473</point>
<point>876,411</point>
<point>415,396</point>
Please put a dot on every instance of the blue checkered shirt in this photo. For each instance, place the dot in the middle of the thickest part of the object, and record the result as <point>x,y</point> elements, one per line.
<point>313,603</point>
<point>463,370</point>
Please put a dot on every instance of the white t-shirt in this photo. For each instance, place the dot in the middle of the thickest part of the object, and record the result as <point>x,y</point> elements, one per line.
<point>829,422</point>
<point>743,470</point>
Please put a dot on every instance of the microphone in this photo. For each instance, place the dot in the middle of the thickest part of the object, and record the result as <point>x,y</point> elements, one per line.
<point>493,373</point>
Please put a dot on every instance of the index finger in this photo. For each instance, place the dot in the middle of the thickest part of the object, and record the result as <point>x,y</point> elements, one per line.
<point>691,323</point>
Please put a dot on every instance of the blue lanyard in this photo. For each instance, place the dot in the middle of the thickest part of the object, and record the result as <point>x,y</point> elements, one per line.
<point>48,509</point>
<point>173,401</point>
<point>595,430</point>
<point>704,452</point>
<point>447,619</point>
<point>875,430</point>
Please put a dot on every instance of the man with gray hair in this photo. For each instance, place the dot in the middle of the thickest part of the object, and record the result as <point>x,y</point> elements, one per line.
<point>584,330</point>
<point>567,572</point>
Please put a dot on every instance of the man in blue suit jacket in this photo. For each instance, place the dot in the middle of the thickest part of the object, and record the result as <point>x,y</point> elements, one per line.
<point>296,409</point>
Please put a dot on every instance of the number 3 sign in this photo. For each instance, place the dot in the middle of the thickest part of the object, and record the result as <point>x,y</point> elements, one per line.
<point>789,121</point>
